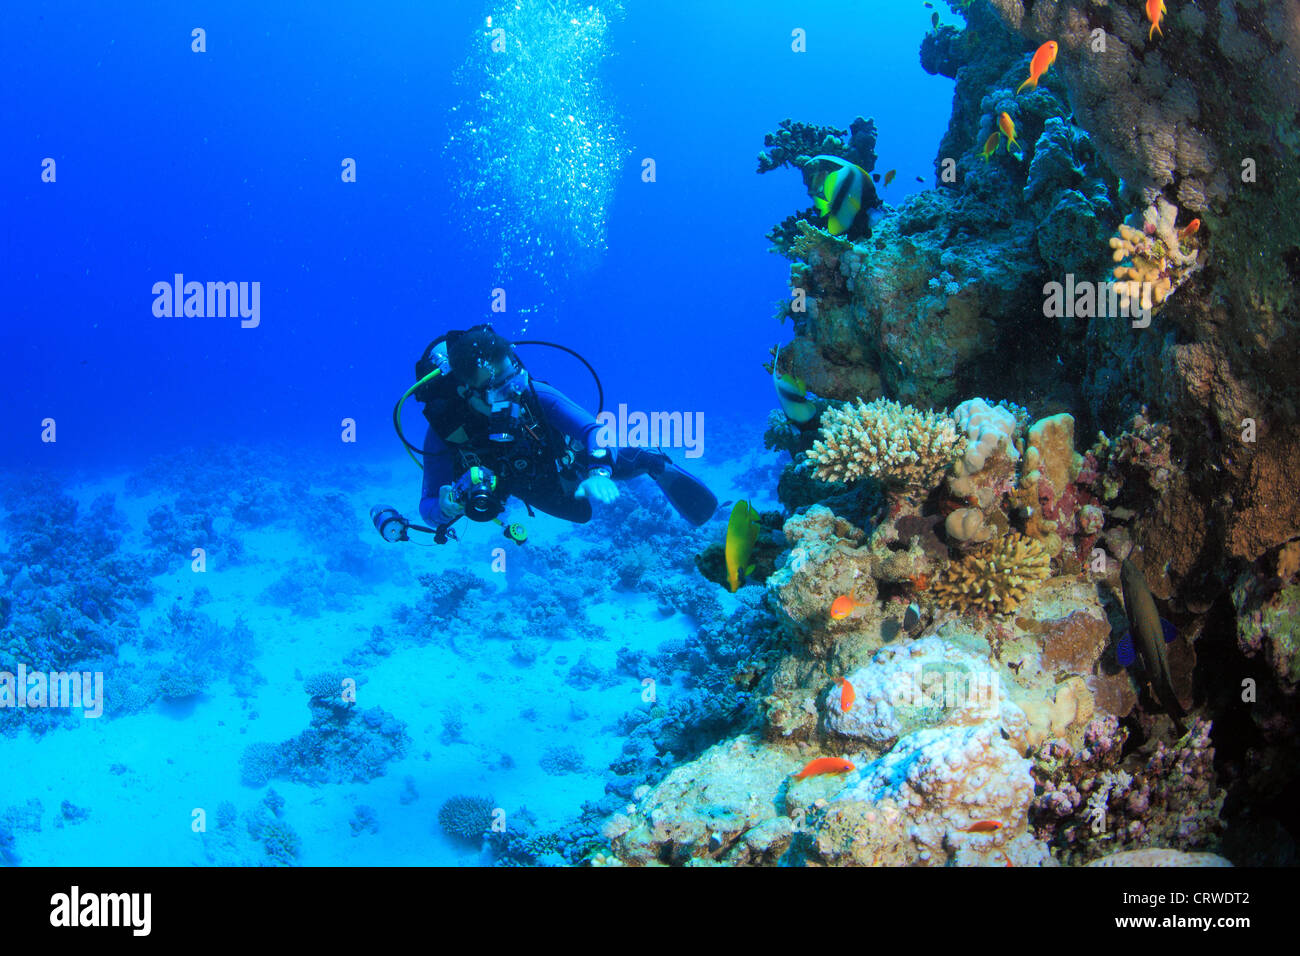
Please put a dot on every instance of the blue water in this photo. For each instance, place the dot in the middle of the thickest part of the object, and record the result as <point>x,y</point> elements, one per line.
<point>225,165</point>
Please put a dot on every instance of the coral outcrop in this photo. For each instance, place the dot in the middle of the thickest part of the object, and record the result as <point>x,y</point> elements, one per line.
<point>1093,801</point>
<point>897,444</point>
<point>466,817</point>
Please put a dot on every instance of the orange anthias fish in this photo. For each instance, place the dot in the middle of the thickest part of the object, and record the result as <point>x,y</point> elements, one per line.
<point>991,145</point>
<point>889,176</point>
<point>847,694</point>
<point>843,606</point>
<point>823,765</point>
<point>1008,128</point>
<point>1155,12</point>
<point>1044,57</point>
<point>1189,229</point>
<point>983,826</point>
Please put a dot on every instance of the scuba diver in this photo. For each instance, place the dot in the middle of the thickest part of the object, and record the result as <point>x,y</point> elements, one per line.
<point>495,431</point>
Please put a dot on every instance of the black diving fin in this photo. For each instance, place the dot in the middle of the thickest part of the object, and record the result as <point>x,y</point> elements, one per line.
<point>687,494</point>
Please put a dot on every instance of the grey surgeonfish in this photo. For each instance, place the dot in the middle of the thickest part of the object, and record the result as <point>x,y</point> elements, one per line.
<point>1146,638</point>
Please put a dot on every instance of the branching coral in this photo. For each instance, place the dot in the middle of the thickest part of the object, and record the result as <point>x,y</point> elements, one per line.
<point>1159,258</point>
<point>897,444</point>
<point>327,686</point>
<point>465,817</point>
<point>994,579</point>
<point>794,143</point>
<point>342,745</point>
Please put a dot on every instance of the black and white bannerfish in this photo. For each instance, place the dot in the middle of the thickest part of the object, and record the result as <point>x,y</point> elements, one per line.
<point>792,393</point>
<point>843,192</point>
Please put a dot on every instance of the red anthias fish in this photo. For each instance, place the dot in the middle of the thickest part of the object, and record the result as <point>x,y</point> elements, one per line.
<point>821,765</point>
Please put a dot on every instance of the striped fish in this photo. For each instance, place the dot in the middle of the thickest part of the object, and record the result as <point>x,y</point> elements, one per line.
<point>842,190</point>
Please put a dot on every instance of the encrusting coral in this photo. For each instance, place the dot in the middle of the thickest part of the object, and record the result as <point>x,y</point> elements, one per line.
<point>995,578</point>
<point>1050,453</point>
<point>895,443</point>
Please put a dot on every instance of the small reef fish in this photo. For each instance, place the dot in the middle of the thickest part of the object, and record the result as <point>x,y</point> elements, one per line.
<point>1008,127</point>
<point>1150,634</point>
<point>1189,229</point>
<point>742,532</point>
<point>821,765</point>
<point>843,606</point>
<point>934,20</point>
<point>792,393</point>
<point>1155,13</point>
<point>991,145</point>
<point>842,193</point>
<point>983,826</point>
<point>889,176</point>
<point>847,694</point>
<point>912,620</point>
<point>1044,57</point>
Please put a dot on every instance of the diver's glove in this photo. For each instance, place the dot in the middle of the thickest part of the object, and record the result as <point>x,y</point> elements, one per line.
<point>598,486</point>
<point>447,503</point>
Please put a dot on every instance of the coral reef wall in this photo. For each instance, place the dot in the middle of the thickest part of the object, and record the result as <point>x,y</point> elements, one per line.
<point>1186,120</point>
<point>1187,115</point>
<point>1147,165</point>
<point>945,294</point>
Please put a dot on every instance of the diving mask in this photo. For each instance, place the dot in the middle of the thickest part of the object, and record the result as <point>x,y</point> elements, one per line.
<point>505,411</point>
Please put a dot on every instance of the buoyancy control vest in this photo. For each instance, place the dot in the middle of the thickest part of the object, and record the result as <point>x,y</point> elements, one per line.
<point>536,448</point>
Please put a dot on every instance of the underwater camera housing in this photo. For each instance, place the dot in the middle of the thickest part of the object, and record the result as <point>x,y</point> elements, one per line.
<point>477,493</point>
